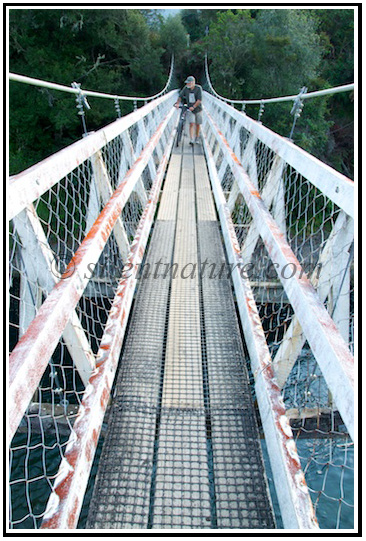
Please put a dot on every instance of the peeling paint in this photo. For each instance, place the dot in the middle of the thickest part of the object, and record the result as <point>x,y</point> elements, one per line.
<point>72,440</point>
<point>295,504</point>
<point>52,506</point>
<point>30,356</point>
<point>90,417</point>
<point>63,472</point>
<point>292,451</point>
<point>329,348</point>
<point>301,483</point>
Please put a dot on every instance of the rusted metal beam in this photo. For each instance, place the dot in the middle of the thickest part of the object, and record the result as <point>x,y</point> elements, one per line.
<point>294,339</point>
<point>105,192</point>
<point>70,484</point>
<point>33,351</point>
<point>29,185</point>
<point>39,262</point>
<point>334,185</point>
<point>326,342</point>
<point>293,495</point>
<point>272,190</point>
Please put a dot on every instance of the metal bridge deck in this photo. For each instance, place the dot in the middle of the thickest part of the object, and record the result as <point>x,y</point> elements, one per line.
<point>182,447</point>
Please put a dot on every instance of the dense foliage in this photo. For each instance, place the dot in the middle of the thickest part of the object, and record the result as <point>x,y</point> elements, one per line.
<point>112,51</point>
<point>252,53</point>
<point>269,53</point>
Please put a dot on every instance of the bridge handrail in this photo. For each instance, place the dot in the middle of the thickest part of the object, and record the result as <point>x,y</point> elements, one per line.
<point>55,86</point>
<point>119,169</point>
<point>296,507</point>
<point>275,204</point>
<point>66,500</point>
<point>338,187</point>
<point>27,186</point>
<point>328,345</point>
<point>60,303</point>
<point>316,94</point>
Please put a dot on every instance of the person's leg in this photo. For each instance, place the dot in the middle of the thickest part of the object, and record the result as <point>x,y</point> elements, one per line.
<point>198,125</point>
<point>191,131</point>
<point>191,120</point>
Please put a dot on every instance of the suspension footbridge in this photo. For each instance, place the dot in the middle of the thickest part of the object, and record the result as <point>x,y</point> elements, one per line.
<point>181,329</point>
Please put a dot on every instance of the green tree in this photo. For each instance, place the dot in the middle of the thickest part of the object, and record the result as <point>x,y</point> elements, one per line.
<point>271,53</point>
<point>230,46</point>
<point>173,36</point>
<point>253,53</point>
<point>104,50</point>
<point>336,30</point>
<point>275,53</point>
<point>287,52</point>
<point>153,18</point>
<point>197,21</point>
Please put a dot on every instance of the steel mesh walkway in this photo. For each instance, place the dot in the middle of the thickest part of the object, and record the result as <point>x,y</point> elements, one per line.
<point>182,447</point>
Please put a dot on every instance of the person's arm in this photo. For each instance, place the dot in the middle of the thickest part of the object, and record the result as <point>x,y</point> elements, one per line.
<point>198,100</point>
<point>195,105</point>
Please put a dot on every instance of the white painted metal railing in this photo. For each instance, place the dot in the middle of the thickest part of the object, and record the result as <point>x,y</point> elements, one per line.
<point>287,221</point>
<point>79,225</point>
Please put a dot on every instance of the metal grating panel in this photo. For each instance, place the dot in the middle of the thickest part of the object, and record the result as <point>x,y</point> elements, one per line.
<point>241,491</point>
<point>182,490</point>
<point>182,497</point>
<point>183,386</point>
<point>182,448</point>
<point>205,203</point>
<point>169,198</point>
<point>121,496</point>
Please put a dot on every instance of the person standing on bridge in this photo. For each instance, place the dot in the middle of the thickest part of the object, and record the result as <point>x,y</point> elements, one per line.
<point>192,95</point>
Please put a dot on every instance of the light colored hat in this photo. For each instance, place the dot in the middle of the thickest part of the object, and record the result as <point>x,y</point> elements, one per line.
<point>190,79</point>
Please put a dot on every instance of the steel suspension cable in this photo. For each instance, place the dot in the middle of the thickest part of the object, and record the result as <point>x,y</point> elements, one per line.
<point>38,82</point>
<point>318,93</point>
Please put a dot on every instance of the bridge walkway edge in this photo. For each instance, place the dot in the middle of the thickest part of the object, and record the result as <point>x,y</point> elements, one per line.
<point>182,447</point>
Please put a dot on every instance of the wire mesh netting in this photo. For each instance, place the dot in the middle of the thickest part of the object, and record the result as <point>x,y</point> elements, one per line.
<point>182,448</point>
<point>321,236</point>
<point>42,240</point>
<point>45,236</point>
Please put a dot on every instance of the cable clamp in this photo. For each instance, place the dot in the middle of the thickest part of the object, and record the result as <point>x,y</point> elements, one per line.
<point>81,100</point>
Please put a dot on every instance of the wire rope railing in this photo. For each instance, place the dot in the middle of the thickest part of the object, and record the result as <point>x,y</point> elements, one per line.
<point>79,224</point>
<point>54,86</point>
<point>303,95</point>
